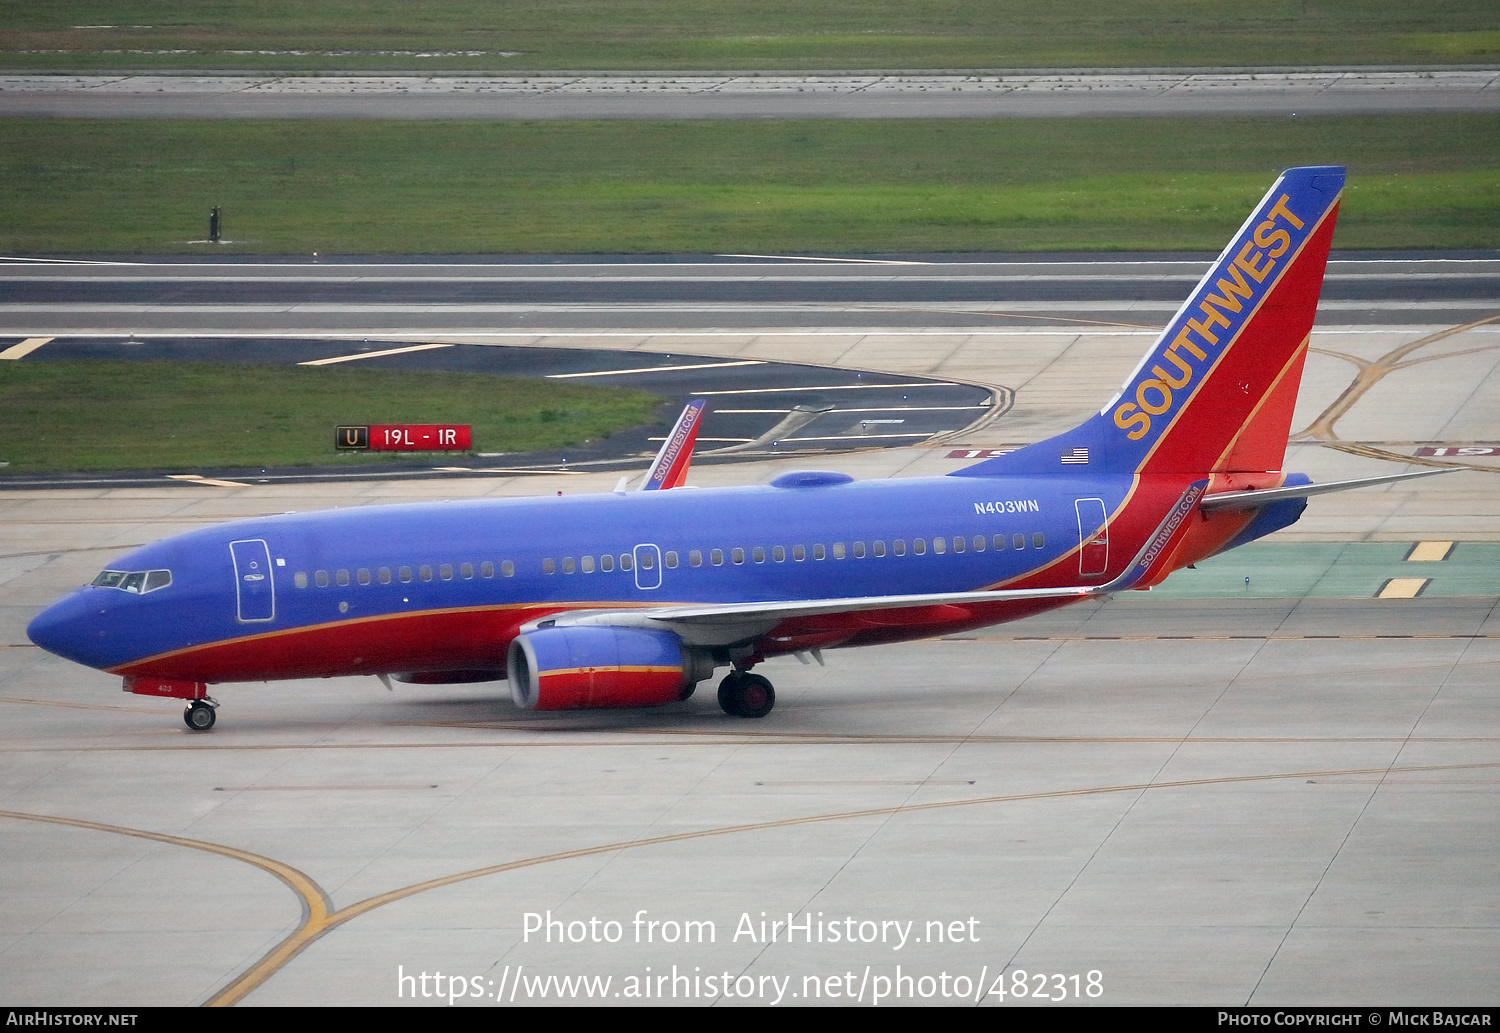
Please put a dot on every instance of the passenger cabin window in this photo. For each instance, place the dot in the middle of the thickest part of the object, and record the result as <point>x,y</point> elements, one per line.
<point>363,576</point>
<point>959,544</point>
<point>586,564</point>
<point>446,572</point>
<point>384,575</point>
<point>1018,541</point>
<point>999,543</point>
<point>507,569</point>
<point>627,562</point>
<point>778,554</point>
<point>979,543</point>
<point>486,569</point>
<point>695,558</point>
<point>549,566</point>
<point>1039,541</point>
<point>859,550</point>
<point>300,579</point>
<point>758,554</point>
<point>879,549</point>
<point>567,564</point>
<point>838,550</point>
<point>341,578</point>
<point>671,560</point>
<point>426,572</point>
<point>716,557</point>
<point>919,546</point>
<point>939,545</point>
<point>898,547</point>
<point>799,553</point>
<point>738,556</point>
<point>606,563</point>
<point>320,578</point>
<point>466,571</point>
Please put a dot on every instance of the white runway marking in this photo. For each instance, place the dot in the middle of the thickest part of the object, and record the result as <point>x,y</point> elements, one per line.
<point>811,258</point>
<point>829,387</point>
<point>373,355</point>
<point>654,369</point>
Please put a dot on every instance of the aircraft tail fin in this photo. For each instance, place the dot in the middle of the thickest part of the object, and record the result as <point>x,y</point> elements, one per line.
<point>1216,391</point>
<point>670,468</point>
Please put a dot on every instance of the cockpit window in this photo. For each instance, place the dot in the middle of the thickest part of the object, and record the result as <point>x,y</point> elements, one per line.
<point>136,582</point>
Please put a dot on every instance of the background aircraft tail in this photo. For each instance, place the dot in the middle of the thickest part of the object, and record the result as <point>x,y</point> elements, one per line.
<point>670,468</point>
<point>1215,393</point>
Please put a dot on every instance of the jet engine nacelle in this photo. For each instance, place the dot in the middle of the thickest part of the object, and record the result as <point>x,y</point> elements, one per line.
<point>581,666</point>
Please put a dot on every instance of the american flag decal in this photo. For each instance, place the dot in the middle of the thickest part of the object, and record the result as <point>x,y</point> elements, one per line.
<point>1078,455</point>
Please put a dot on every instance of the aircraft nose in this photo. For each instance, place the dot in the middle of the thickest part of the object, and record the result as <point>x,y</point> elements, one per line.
<point>74,628</point>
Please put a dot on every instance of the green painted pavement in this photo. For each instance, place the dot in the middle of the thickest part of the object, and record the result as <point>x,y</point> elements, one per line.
<point>1335,569</point>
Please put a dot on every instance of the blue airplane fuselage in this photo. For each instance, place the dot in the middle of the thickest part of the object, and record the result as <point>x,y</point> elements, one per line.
<point>512,559</point>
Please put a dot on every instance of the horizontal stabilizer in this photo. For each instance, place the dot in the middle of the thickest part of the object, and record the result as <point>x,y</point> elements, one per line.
<point>1255,499</point>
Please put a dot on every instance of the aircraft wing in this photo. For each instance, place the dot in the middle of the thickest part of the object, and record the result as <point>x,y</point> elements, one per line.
<point>737,613</point>
<point>1254,499</point>
<point>698,621</point>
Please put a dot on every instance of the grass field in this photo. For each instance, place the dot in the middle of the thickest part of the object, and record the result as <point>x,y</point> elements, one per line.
<point>65,416</point>
<point>738,34</point>
<point>71,186</point>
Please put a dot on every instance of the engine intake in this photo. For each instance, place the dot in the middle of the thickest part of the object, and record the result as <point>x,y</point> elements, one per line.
<point>575,667</point>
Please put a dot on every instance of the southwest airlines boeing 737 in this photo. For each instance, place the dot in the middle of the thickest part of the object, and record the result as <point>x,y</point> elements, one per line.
<point>630,599</point>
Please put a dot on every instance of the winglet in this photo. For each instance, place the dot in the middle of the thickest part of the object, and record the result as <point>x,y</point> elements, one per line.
<point>1153,563</point>
<point>670,468</point>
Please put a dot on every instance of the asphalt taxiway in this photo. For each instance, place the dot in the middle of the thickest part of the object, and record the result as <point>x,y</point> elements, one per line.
<point>352,296</point>
<point>730,95</point>
<point>1285,796</point>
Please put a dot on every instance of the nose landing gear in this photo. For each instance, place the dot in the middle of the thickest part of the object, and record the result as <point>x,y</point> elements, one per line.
<point>199,715</point>
<point>742,694</point>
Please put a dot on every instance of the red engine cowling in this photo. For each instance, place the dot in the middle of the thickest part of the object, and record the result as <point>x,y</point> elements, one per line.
<point>582,666</point>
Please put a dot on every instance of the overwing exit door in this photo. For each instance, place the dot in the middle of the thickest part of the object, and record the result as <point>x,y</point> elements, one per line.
<point>647,566</point>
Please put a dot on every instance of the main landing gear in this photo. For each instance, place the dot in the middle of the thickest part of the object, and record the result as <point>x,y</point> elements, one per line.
<point>199,715</point>
<point>742,694</point>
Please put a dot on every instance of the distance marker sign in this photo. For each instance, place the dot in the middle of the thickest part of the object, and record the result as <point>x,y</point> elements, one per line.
<point>404,437</point>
